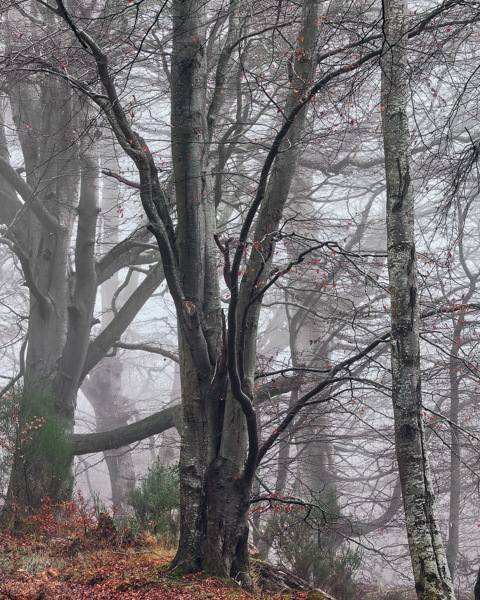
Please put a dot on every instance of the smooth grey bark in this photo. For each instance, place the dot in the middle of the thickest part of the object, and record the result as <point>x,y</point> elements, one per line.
<point>214,493</point>
<point>41,233</point>
<point>430,568</point>
<point>125,254</point>
<point>103,387</point>
<point>455,377</point>
<point>113,331</point>
<point>31,478</point>
<point>58,196</point>
<point>455,456</point>
<point>83,295</point>
<point>112,411</point>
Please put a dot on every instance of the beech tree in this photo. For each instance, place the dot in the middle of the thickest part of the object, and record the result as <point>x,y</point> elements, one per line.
<point>55,202</point>
<point>217,466</point>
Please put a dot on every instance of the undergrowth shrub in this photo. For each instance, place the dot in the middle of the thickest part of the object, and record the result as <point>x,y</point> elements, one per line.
<point>68,521</point>
<point>306,541</point>
<point>130,532</point>
<point>156,501</point>
<point>9,434</point>
<point>33,439</point>
<point>74,526</point>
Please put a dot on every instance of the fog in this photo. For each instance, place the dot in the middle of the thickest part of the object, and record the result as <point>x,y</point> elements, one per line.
<point>243,238</point>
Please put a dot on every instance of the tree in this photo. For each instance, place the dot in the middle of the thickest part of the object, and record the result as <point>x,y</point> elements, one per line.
<point>57,200</point>
<point>216,467</point>
<point>432,576</point>
<point>103,385</point>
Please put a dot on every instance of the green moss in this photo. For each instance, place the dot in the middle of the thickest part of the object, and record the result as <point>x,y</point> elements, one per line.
<point>420,588</point>
<point>46,438</point>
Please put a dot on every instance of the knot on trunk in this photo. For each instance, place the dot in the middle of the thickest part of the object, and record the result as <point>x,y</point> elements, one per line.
<point>189,309</point>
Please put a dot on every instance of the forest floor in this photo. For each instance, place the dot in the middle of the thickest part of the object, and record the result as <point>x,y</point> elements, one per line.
<point>36,567</point>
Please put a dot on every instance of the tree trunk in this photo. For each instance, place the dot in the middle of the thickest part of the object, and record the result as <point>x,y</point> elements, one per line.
<point>58,193</point>
<point>432,577</point>
<point>43,245</point>
<point>214,497</point>
<point>215,475</point>
<point>455,454</point>
<point>104,386</point>
<point>455,372</point>
<point>477,587</point>
<point>103,391</point>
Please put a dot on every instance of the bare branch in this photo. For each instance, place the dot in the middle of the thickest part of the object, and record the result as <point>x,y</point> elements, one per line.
<point>295,408</point>
<point>28,195</point>
<point>86,443</point>
<point>147,348</point>
<point>132,184</point>
<point>114,330</point>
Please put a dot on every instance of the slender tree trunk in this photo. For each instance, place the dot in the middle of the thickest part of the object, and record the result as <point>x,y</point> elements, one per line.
<point>455,454</point>
<point>455,380</point>
<point>432,577</point>
<point>104,385</point>
<point>103,391</point>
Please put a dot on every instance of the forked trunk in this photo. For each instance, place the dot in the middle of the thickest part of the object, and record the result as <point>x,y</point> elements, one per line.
<point>215,495</point>
<point>214,532</point>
